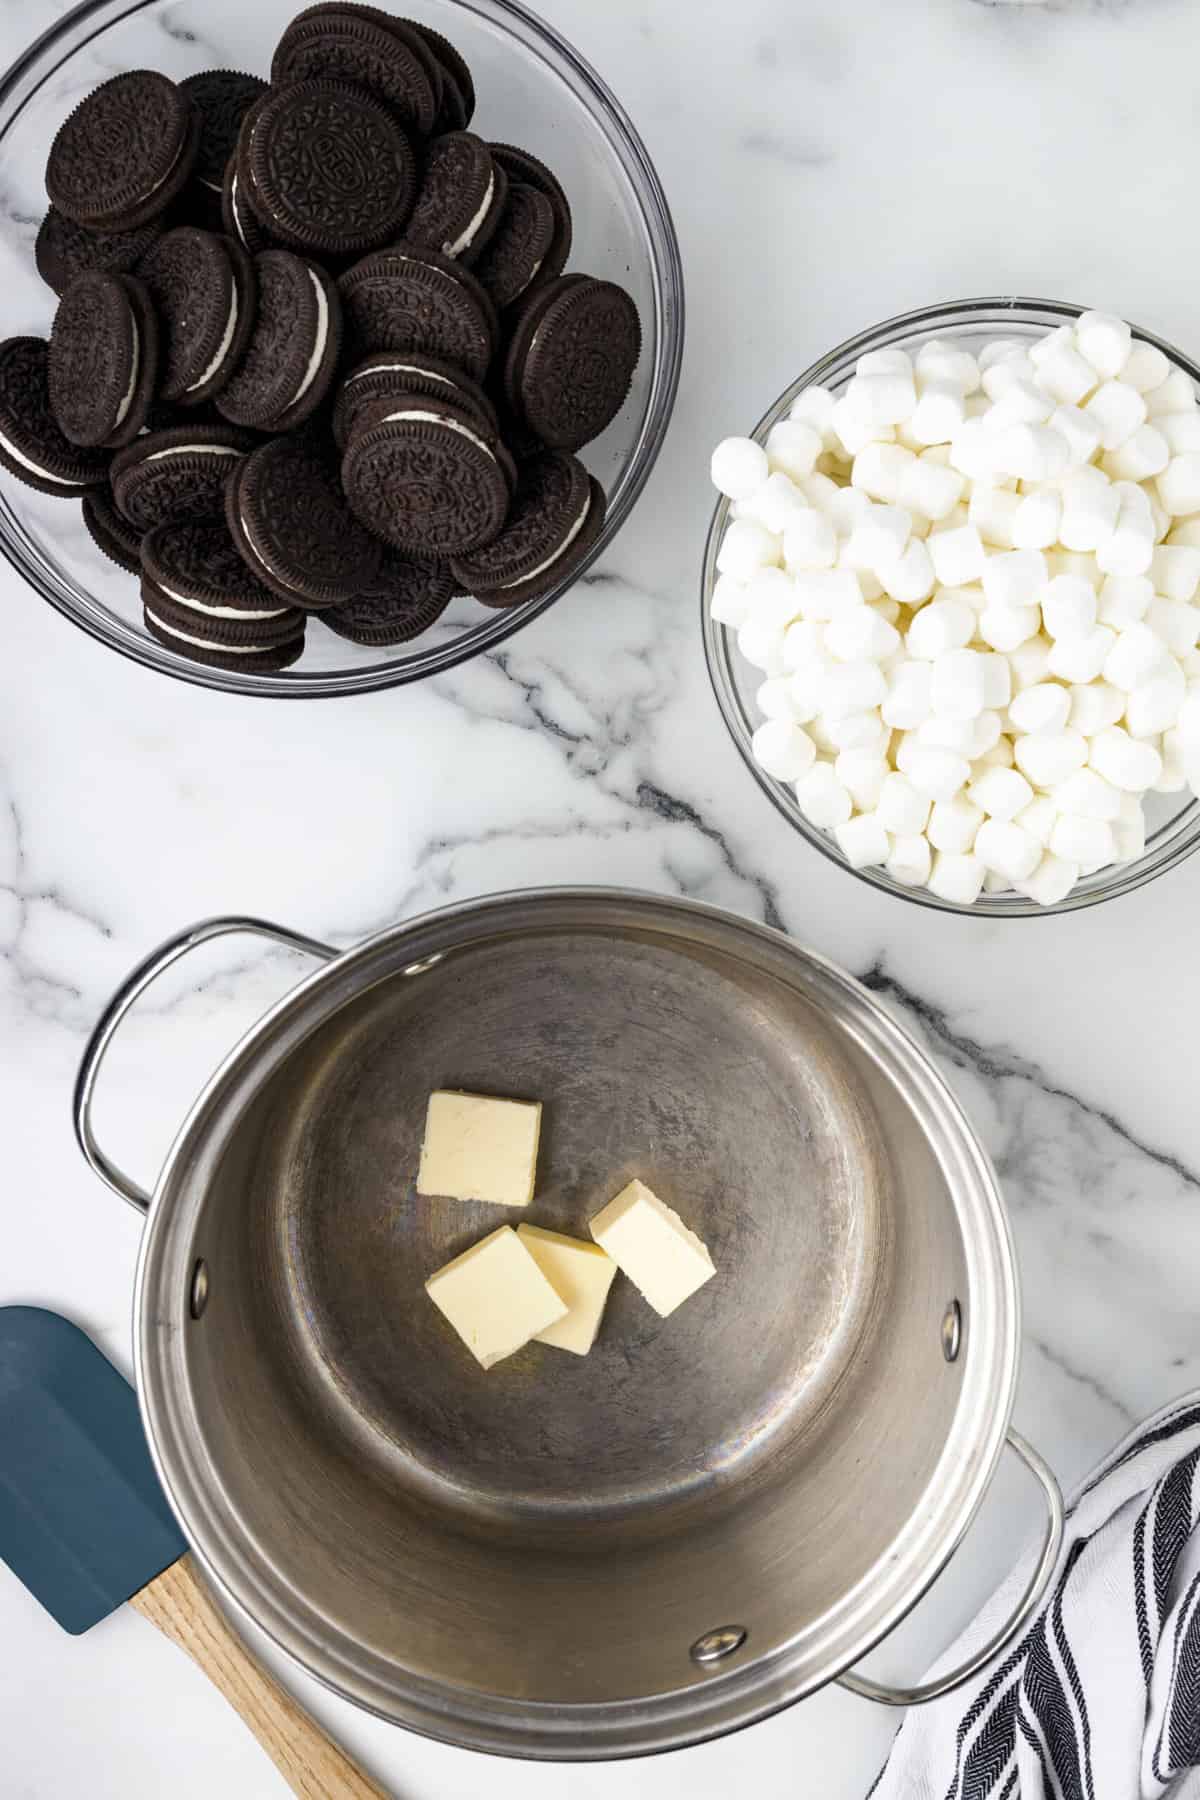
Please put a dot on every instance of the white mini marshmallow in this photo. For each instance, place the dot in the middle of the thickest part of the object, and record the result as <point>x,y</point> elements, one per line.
<point>1180,431</point>
<point>908,702</point>
<point>1089,510</point>
<point>965,736</point>
<point>1178,485</point>
<point>1062,372</point>
<point>946,362</point>
<point>862,773</point>
<point>998,376</point>
<point>900,808</point>
<point>879,470</point>
<point>783,749</point>
<point>931,488</point>
<point>956,878</point>
<point>1000,756</point>
<point>958,690</point>
<point>1030,661</point>
<point>882,397</point>
<point>997,681</point>
<point>1129,548</point>
<point>1117,411</point>
<point>1145,367</point>
<point>1038,818</point>
<point>1129,830</point>
<point>853,687</point>
<point>1147,452</point>
<point>1043,707</point>
<point>1089,794</point>
<point>1123,600</point>
<point>1174,393</point>
<point>813,406</point>
<point>958,555</point>
<point>1036,520</point>
<point>1080,434</point>
<point>852,429</point>
<point>1000,793</point>
<point>1001,350</point>
<point>909,577</point>
<point>910,861</point>
<point>1030,452</point>
<point>1187,724</point>
<point>1088,842</point>
<point>1137,653</point>
<point>1175,571</point>
<point>761,643</point>
<point>890,361</point>
<point>1131,764</point>
<point>859,634</point>
<point>775,504</point>
<point>939,413</point>
<point>1021,401</point>
<point>793,447</point>
<point>771,597</point>
<point>774,698</point>
<point>879,537</point>
<point>747,546</point>
<point>804,643</point>
<point>1051,881</point>
<point>863,841</point>
<point>1080,658</point>
<point>730,604</point>
<point>1175,622</point>
<point>822,798</point>
<point>1105,341</point>
<point>809,541</point>
<point>938,774</point>
<point>738,466</point>
<point>1154,707</point>
<point>1047,757</point>
<point>974,451</point>
<point>1185,531</point>
<point>1094,706</point>
<point>1069,607</point>
<point>943,625</point>
<point>953,824</point>
<point>820,492</point>
<point>1005,848</point>
<point>820,593</point>
<point>863,730</point>
<point>992,511</point>
<point>1007,628</point>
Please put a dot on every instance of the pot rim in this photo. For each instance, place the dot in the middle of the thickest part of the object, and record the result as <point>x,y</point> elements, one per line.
<point>710,1705</point>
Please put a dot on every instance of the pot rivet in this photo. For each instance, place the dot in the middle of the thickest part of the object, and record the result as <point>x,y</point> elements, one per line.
<point>952,1331</point>
<point>714,1646</point>
<point>198,1298</point>
<point>426,962</point>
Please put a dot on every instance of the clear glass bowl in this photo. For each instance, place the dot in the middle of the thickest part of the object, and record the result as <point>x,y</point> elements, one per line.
<point>1173,825</point>
<point>534,90</point>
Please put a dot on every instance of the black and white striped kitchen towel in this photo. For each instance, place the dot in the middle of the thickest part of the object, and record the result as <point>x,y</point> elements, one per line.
<point>1100,1698</point>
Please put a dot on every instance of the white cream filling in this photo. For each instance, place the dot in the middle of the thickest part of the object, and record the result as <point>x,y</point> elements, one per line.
<point>314,361</point>
<point>398,369</point>
<point>194,450</point>
<point>209,643</point>
<point>33,467</point>
<point>233,207</point>
<point>574,532</point>
<point>136,357</point>
<point>219,612</point>
<point>461,243</point>
<point>223,347</point>
<point>433,418</point>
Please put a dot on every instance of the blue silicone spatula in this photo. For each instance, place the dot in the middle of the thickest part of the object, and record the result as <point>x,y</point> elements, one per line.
<point>84,1524</point>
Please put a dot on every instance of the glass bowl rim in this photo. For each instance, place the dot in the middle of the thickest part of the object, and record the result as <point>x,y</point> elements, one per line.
<point>1125,878</point>
<point>667,281</point>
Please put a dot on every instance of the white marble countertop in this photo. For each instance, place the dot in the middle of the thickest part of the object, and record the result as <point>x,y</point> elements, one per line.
<point>829,162</point>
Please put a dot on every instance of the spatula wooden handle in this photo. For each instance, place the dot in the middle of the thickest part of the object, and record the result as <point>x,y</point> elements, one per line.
<point>178,1602</point>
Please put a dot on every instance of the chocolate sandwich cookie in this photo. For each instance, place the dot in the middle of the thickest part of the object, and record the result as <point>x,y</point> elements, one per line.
<point>222,98</point>
<point>366,46</point>
<point>407,596</point>
<point>238,216</point>
<point>124,153</point>
<point>518,249</point>
<point>197,589</point>
<point>461,197</point>
<point>289,519</point>
<point>32,445</point>
<point>408,298</point>
<point>392,372</point>
<point>555,518</point>
<point>458,89</point>
<point>112,535</point>
<point>521,167</point>
<point>176,474</point>
<point>425,476</point>
<point>293,350</point>
<point>64,249</point>
<point>326,167</point>
<point>204,288</point>
<point>571,359</point>
<point>103,360</point>
<point>175,631</point>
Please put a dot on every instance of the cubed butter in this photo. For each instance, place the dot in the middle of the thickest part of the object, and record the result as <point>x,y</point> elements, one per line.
<point>478,1148</point>
<point>651,1244</point>
<point>495,1296</point>
<point>581,1275</point>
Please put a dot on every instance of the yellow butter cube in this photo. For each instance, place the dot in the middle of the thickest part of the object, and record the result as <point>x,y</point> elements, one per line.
<point>651,1244</point>
<point>581,1274</point>
<point>495,1296</point>
<point>478,1148</point>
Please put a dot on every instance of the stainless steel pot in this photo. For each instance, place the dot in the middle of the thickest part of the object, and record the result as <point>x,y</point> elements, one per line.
<point>709,1516</point>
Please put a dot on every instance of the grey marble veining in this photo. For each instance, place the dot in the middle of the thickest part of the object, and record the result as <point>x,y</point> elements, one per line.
<point>828,164</point>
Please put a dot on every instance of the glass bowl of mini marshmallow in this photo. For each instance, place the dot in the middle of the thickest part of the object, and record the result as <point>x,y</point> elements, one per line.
<point>951,604</point>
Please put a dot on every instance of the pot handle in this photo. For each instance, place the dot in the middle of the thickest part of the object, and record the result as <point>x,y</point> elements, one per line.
<point>135,984</point>
<point>1028,1604</point>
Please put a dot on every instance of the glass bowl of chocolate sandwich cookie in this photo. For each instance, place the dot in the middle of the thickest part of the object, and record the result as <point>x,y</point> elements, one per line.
<point>287,422</point>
